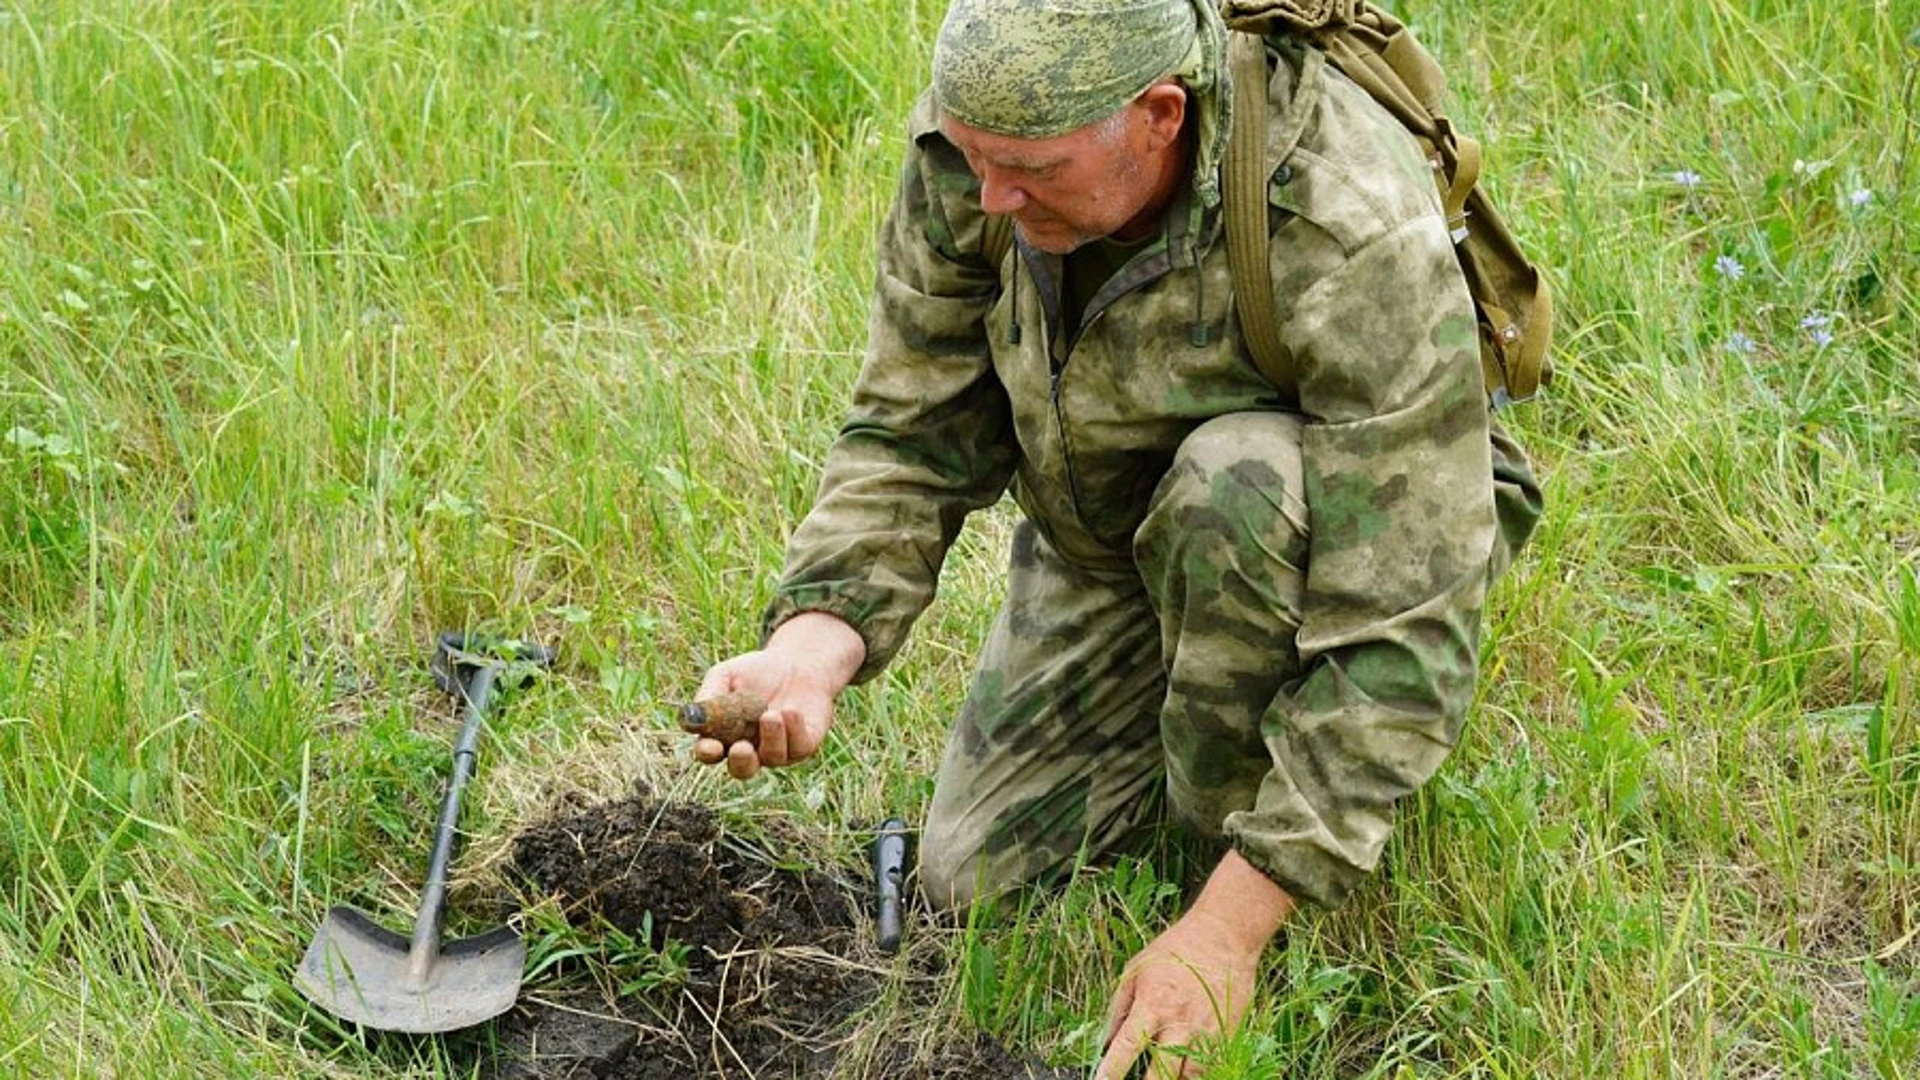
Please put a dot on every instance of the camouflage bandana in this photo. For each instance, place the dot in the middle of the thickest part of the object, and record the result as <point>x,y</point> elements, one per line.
<point>1033,69</point>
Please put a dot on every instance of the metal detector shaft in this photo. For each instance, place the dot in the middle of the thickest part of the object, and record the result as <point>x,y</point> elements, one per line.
<point>476,690</point>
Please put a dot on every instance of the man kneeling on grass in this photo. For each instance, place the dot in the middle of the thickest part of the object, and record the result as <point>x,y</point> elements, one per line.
<point>1248,607</point>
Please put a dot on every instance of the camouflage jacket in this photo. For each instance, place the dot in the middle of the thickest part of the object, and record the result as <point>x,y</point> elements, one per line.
<point>954,405</point>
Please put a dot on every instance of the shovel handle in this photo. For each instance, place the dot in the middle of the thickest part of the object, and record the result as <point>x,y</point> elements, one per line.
<point>476,689</point>
<point>474,683</point>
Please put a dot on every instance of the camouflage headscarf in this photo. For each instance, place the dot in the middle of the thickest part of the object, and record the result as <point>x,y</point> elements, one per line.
<point>1033,69</point>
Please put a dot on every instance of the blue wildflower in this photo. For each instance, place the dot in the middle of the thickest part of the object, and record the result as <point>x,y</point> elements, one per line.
<point>1739,344</point>
<point>1860,197</point>
<point>1687,178</point>
<point>1729,268</point>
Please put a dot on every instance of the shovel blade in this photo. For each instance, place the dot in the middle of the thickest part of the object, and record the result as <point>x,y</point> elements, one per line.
<point>358,970</point>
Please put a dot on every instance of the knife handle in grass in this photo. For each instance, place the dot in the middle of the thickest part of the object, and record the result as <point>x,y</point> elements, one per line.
<point>889,874</point>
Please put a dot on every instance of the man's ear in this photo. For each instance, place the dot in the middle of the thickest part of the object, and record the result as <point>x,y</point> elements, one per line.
<point>1166,107</point>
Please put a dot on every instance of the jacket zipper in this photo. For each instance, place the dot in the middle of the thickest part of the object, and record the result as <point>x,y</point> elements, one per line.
<point>1047,288</point>
<point>1066,444</point>
<point>1057,363</point>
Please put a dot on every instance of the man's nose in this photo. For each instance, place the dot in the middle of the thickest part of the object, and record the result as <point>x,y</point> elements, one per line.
<point>998,195</point>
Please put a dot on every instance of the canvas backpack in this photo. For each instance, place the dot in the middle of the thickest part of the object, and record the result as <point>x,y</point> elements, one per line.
<point>1381,56</point>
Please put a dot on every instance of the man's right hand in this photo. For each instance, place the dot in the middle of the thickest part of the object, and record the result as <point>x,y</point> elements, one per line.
<point>806,663</point>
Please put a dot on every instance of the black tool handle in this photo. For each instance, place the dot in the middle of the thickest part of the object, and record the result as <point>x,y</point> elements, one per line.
<point>474,684</point>
<point>890,875</point>
<point>476,689</point>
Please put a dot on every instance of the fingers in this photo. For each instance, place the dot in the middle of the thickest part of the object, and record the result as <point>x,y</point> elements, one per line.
<point>1122,1005</point>
<point>1127,1034</point>
<point>804,735</point>
<point>709,751</point>
<point>1161,1053</point>
<point>1117,1063</point>
<point>743,759</point>
<point>742,762</point>
<point>1172,1065</point>
<point>773,737</point>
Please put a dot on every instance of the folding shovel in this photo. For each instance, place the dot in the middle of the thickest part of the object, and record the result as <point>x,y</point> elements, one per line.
<point>359,970</point>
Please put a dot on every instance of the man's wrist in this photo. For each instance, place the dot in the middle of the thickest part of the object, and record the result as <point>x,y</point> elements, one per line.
<point>825,642</point>
<point>1244,901</point>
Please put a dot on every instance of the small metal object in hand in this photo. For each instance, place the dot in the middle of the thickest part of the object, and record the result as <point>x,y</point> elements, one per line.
<point>730,718</point>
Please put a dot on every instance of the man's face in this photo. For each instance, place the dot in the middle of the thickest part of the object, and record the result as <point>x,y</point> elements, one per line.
<point>1068,190</point>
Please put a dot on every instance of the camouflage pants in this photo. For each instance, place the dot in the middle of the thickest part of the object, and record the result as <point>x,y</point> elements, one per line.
<point>1097,690</point>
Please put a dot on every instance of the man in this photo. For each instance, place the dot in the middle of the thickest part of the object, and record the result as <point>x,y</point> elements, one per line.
<point>1254,608</point>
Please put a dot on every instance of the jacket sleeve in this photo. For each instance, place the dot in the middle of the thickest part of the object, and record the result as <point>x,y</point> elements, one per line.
<point>1400,493</point>
<point>929,436</point>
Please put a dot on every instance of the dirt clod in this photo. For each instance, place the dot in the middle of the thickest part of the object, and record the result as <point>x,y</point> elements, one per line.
<point>567,1044</point>
<point>659,871</point>
<point>773,970</point>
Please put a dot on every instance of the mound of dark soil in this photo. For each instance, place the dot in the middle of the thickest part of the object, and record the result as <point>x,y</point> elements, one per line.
<point>774,972</point>
<point>659,870</point>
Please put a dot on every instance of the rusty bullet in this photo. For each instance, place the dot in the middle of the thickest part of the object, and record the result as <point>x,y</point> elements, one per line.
<point>730,718</point>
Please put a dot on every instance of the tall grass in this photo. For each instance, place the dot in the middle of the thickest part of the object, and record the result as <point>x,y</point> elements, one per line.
<point>326,325</point>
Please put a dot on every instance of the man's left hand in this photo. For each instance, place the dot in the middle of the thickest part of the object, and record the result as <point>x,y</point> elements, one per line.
<point>1194,982</point>
<point>1191,983</point>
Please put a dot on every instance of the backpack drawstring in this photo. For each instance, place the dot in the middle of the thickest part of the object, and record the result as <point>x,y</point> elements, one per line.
<point>1013,327</point>
<point>1197,335</point>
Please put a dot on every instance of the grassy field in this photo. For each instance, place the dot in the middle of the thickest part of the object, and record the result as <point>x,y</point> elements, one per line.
<point>325,325</point>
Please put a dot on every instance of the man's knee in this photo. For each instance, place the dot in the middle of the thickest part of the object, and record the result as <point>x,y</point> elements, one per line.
<point>970,853</point>
<point>1234,494</point>
<point>949,877</point>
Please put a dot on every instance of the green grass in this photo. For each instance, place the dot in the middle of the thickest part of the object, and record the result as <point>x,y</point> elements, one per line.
<point>326,325</point>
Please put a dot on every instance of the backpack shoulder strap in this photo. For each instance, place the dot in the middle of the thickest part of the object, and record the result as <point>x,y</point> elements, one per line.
<point>1380,55</point>
<point>1250,161</point>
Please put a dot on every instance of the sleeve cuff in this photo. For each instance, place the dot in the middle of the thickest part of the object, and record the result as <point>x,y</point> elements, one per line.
<point>1305,869</point>
<point>843,603</point>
